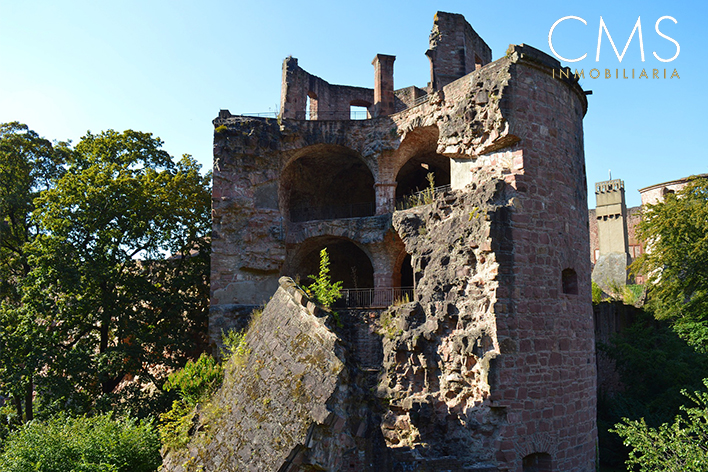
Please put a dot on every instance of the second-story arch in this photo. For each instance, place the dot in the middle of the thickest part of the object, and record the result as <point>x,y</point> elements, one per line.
<point>327,182</point>
<point>416,158</point>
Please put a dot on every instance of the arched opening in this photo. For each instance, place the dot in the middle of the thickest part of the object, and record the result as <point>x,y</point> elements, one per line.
<point>347,262</point>
<point>328,182</point>
<point>413,176</point>
<point>407,272</point>
<point>570,281</point>
<point>537,462</point>
<point>418,158</point>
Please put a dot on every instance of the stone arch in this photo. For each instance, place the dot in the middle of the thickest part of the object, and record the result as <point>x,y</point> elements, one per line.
<point>325,181</point>
<point>416,157</point>
<point>349,262</point>
<point>537,462</point>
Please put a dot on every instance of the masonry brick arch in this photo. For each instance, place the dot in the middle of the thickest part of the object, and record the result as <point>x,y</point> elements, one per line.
<point>349,262</point>
<point>327,182</point>
<point>415,158</point>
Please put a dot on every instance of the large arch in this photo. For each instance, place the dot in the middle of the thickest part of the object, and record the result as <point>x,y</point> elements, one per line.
<point>326,182</point>
<point>349,263</point>
<point>417,157</point>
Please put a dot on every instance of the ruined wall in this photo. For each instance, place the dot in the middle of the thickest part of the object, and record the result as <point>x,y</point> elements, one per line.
<point>407,97</point>
<point>455,49</point>
<point>438,350</point>
<point>293,401</point>
<point>327,101</point>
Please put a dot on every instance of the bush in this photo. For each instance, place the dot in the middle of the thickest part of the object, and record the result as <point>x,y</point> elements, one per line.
<point>83,444</point>
<point>681,446</point>
<point>194,383</point>
<point>325,291</point>
<point>597,293</point>
<point>196,380</point>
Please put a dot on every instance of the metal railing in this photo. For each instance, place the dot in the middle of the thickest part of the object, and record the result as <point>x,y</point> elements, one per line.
<point>334,212</point>
<point>422,197</point>
<point>374,297</point>
<point>342,115</point>
<point>420,100</point>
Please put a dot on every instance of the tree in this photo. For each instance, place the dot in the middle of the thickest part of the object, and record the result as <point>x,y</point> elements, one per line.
<point>28,164</point>
<point>119,273</point>
<point>676,231</point>
<point>681,446</point>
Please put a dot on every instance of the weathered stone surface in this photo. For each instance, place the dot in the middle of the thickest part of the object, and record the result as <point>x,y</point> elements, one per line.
<point>610,272</point>
<point>290,402</point>
<point>438,350</point>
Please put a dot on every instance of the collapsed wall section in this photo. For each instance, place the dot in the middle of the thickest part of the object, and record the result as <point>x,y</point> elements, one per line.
<point>291,400</point>
<point>438,350</point>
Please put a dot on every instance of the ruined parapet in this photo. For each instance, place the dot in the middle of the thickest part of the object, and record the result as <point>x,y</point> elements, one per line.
<point>327,101</point>
<point>455,49</point>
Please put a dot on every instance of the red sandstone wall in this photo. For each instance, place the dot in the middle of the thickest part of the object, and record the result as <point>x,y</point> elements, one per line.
<point>546,374</point>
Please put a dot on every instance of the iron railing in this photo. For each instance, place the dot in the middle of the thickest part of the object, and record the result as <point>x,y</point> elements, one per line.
<point>334,212</point>
<point>374,297</point>
<point>421,197</point>
<point>321,115</point>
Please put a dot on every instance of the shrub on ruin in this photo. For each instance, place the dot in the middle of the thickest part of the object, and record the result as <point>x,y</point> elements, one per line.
<point>196,382</point>
<point>324,290</point>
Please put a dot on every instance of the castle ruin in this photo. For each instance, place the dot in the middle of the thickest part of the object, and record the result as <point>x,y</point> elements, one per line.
<point>487,362</point>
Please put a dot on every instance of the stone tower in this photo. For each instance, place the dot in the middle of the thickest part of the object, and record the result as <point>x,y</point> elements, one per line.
<point>611,267</point>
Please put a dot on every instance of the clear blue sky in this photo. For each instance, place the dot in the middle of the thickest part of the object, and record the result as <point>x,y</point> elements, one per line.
<point>167,67</point>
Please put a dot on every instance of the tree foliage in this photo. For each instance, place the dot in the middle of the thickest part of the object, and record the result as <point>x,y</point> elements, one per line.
<point>97,444</point>
<point>676,232</point>
<point>653,365</point>
<point>113,288</point>
<point>681,446</point>
<point>28,165</point>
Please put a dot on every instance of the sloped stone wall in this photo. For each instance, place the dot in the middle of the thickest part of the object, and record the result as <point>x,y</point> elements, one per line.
<point>291,401</point>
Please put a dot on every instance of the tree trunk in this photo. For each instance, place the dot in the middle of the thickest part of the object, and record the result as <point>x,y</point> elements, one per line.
<point>18,406</point>
<point>29,394</point>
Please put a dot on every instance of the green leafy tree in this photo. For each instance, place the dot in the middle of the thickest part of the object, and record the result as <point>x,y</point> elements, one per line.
<point>676,232</point>
<point>119,272</point>
<point>326,292</point>
<point>28,164</point>
<point>681,446</point>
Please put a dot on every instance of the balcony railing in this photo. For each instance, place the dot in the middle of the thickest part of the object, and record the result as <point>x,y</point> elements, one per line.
<point>422,197</point>
<point>354,210</point>
<point>374,297</point>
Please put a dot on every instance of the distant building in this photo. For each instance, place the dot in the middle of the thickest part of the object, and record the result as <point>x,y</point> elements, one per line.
<point>613,241</point>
